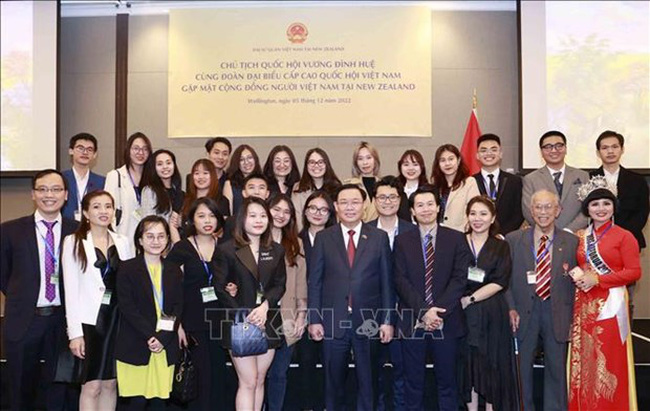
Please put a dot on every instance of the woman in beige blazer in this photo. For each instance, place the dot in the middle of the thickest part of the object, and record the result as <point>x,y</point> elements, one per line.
<point>450,176</point>
<point>293,305</point>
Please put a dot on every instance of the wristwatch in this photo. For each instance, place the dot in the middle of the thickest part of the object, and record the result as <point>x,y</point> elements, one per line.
<point>472,299</point>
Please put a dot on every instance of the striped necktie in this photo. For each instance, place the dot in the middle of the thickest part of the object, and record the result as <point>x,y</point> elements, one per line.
<point>543,270</point>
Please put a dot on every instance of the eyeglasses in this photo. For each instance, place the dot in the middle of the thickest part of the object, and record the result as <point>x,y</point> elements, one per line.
<point>53,190</point>
<point>247,159</point>
<point>312,209</point>
<point>384,198</point>
<point>543,207</point>
<point>319,163</point>
<point>556,147</point>
<point>84,150</point>
<point>150,238</point>
<point>136,149</point>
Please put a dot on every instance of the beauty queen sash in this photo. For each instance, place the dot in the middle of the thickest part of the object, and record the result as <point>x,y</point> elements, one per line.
<point>615,305</point>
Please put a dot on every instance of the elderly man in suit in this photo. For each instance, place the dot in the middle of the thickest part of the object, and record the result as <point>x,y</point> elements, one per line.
<point>502,187</point>
<point>559,178</point>
<point>80,179</point>
<point>30,280</point>
<point>540,297</point>
<point>350,296</point>
<point>430,276</point>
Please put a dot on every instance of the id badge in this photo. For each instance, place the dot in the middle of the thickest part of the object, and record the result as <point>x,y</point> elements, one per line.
<point>77,215</point>
<point>54,279</point>
<point>106,299</point>
<point>531,276</point>
<point>165,323</point>
<point>258,299</point>
<point>475,274</point>
<point>208,294</point>
<point>137,215</point>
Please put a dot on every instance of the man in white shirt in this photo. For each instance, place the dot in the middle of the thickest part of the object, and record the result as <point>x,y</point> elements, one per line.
<point>559,178</point>
<point>80,179</point>
<point>30,280</point>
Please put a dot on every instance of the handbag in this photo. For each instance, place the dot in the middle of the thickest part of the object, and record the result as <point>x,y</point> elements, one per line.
<point>246,339</point>
<point>185,385</point>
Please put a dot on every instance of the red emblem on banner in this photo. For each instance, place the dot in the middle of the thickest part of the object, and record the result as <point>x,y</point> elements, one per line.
<point>297,33</point>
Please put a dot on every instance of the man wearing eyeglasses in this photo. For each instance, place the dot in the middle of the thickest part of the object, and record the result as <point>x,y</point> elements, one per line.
<point>502,187</point>
<point>559,178</point>
<point>540,297</point>
<point>387,202</point>
<point>80,180</point>
<point>30,280</point>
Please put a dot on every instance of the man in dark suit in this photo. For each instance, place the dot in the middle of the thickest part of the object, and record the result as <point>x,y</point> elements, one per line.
<point>350,298</point>
<point>430,276</point>
<point>80,180</point>
<point>387,202</point>
<point>559,178</point>
<point>30,280</point>
<point>540,297</point>
<point>502,187</point>
<point>633,203</point>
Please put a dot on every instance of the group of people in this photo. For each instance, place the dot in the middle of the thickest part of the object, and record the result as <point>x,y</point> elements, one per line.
<point>459,268</point>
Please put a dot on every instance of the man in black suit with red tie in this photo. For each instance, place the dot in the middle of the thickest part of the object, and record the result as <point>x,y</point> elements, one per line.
<point>430,268</point>
<point>350,297</point>
<point>502,187</point>
<point>30,280</point>
<point>633,203</point>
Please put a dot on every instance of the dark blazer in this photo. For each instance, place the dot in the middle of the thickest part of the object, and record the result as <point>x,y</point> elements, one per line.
<point>509,215</point>
<point>451,259</point>
<point>306,246</point>
<point>520,295</point>
<point>633,204</point>
<point>331,280</point>
<point>402,226</point>
<point>95,182</point>
<point>138,310</point>
<point>236,264</point>
<point>20,273</point>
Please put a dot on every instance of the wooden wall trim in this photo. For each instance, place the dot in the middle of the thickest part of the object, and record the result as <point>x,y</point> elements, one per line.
<point>121,84</point>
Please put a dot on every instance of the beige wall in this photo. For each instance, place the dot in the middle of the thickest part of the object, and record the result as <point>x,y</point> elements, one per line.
<point>469,50</point>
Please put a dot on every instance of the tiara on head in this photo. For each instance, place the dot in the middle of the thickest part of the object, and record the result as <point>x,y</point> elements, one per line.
<point>595,183</point>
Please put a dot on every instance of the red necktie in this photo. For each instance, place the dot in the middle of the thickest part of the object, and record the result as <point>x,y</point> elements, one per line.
<point>351,248</point>
<point>543,270</point>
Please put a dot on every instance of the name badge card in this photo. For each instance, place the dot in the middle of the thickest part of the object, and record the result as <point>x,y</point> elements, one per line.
<point>531,277</point>
<point>77,215</point>
<point>54,279</point>
<point>208,294</point>
<point>475,274</point>
<point>258,300</point>
<point>106,299</point>
<point>165,323</point>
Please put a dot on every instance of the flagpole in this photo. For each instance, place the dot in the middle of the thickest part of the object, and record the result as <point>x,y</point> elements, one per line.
<point>474,100</point>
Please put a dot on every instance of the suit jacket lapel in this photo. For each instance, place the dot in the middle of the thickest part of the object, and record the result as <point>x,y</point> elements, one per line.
<point>528,245</point>
<point>340,244</point>
<point>246,257</point>
<point>558,258</point>
<point>266,264</point>
<point>480,183</point>
<point>361,245</point>
<point>566,184</point>
<point>502,183</point>
<point>145,280</point>
<point>32,243</point>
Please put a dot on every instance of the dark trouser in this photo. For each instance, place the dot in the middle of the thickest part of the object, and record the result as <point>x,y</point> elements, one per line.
<point>414,350</point>
<point>41,341</point>
<point>277,377</point>
<point>539,324</point>
<point>309,355</point>
<point>335,361</point>
<point>391,352</point>
<point>209,358</point>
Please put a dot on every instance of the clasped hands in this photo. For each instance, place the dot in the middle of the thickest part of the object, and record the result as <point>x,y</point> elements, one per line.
<point>584,280</point>
<point>431,319</point>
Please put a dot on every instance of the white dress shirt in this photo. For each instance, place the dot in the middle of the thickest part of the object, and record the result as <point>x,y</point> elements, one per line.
<point>346,236</point>
<point>562,170</point>
<point>41,235</point>
<point>612,178</point>
<point>82,184</point>
<point>391,231</point>
<point>486,180</point>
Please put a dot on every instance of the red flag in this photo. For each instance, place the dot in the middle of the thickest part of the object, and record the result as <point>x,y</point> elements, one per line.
<point>468,150</point>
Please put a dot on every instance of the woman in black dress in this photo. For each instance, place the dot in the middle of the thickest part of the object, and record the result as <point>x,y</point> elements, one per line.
<point>90,258</point>
<point>486,355</point>
<point>257,266</point>
<point>197,255</point>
